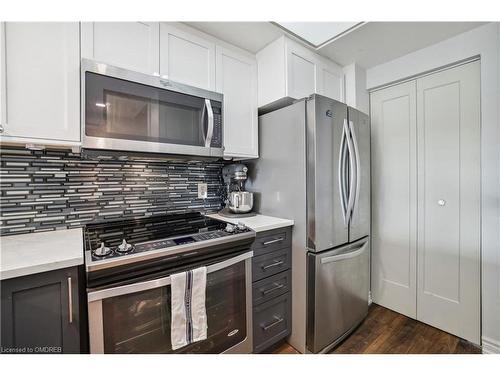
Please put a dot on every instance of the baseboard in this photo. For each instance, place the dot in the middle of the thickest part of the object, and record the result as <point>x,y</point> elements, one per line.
<point>490,346</point>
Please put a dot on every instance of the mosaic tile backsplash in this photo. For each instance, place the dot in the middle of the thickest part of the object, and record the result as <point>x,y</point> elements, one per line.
<point>49,190</point>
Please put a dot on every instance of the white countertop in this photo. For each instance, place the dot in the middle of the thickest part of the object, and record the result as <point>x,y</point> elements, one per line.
<point>258,223</point>
<point>26,254</point>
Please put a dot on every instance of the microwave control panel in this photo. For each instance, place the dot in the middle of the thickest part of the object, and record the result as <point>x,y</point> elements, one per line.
<point>217,134</point>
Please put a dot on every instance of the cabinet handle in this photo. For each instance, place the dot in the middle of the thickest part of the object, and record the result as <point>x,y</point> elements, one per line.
<point>275,264</point>
<point>1,129</point>
<point>273,241</point>
<point>70,300</point>
<point>277,320</point>
<point>270,290</point>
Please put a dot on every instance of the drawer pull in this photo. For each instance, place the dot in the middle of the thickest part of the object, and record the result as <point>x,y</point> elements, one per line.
<point>273,241</point>
<point>275,264</point>
<point>70,300</point>
<point>277,286</point>
<point>277,320</point>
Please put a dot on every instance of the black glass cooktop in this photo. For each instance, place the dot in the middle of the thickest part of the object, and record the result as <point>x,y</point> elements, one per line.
<point>179,228</point>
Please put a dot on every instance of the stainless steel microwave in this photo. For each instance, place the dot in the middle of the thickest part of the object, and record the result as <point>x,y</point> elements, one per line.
<point>128,111</point>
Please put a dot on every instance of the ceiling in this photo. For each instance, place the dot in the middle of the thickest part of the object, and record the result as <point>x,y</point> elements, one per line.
<point>378,42</point>
<point>318,33</point>
<point>370,44</point>
<point>251,36</point>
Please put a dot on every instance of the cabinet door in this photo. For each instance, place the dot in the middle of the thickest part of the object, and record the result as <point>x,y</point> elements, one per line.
<point>448,113</point>
<point>394,197</point>
<point>237,80</point>
<point>187,58</point>
<point>301,71</point>
<point>41,98</point>
<point>271,70</point>
<point>129,45</point>
<point>40,312</point>
<point>330,81</point>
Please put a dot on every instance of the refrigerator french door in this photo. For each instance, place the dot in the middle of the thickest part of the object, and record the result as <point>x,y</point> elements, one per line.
<point>327,224</point>
<point>359,127</point>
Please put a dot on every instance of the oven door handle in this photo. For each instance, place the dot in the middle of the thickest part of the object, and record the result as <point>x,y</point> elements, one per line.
<point>158,283</point>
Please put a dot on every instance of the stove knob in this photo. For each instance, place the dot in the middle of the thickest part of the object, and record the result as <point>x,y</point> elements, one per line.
<point>102,250</point>
<point>241,226</point>
<point>124,247</point>
<point>229,228</point>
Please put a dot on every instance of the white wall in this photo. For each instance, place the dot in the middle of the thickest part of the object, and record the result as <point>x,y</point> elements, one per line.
<point>350,84</point>
<point>356,94</point>
<point>484,42</point>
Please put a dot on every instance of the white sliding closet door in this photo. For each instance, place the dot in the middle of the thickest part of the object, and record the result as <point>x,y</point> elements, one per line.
<point>394,198</point>
<point>448,123</point>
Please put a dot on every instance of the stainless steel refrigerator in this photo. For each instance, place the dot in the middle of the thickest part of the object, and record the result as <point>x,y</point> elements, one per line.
<point>314,168</point>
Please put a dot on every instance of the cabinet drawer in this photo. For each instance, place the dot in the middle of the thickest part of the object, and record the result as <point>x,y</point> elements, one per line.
<point>271,322</point>
<point>272,240</point>
<point>270,264</point>
<point>271,287</point>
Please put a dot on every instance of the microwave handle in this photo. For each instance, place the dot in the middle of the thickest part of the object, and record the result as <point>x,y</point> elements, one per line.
<point>203,111</point>
<point>210,131</point>
<point>158,283</point>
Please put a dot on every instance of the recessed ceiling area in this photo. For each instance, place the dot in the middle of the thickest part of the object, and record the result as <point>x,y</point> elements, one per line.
<point>318,33</point>
<point>369,44</point>
<point>375,43</point>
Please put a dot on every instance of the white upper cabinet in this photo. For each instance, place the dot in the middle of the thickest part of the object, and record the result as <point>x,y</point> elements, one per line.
<point>40,85</point>
<point>301,70</point>
<point>237,80</point>
<point>286,69</point>
<point>186,57</point>
<point>129,45</point>
<point>330,80</point>
<point>271,73</point>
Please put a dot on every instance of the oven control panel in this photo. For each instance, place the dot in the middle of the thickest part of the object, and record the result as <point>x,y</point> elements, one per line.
<point>127,249</point>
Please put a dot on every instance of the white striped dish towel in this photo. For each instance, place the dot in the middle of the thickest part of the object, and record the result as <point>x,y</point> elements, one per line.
<point>189,316</point>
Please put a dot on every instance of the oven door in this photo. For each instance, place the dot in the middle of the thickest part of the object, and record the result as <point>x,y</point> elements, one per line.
<point>130,111</point>
<point>136,318</point>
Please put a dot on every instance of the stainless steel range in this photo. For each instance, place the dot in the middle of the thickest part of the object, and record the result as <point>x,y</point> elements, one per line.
<point>129,264</point>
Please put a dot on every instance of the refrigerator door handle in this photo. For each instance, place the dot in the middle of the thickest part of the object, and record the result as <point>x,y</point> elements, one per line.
<point>358,165</point>
<point>342,190</point>
<point>352,176</point>
<point>352,253</point>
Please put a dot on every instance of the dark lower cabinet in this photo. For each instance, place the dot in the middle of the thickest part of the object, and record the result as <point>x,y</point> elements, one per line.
<point>41,313</point>
<point>271,270</point>
<point>271,322</point>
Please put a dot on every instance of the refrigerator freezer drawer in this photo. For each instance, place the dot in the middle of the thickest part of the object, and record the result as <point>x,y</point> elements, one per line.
<point>337,287</point>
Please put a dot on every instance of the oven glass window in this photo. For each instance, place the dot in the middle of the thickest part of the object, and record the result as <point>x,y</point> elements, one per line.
<point>140,322</point>
<point>120,109</point>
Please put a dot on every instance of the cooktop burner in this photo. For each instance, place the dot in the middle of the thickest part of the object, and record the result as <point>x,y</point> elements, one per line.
<point>126,237</point>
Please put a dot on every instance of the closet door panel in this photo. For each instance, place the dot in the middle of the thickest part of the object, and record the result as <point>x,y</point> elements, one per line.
<point>448,105</point>
<point>393,130</point>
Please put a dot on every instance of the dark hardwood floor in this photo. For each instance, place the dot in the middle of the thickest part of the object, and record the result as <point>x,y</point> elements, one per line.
<point>387,332</point>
